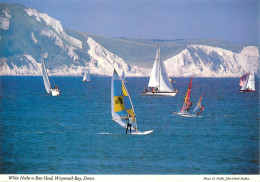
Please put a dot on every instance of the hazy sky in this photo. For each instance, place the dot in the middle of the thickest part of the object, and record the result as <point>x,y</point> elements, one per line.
<point>232,20</point>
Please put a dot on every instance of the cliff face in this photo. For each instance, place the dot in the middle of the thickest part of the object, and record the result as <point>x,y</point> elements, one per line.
<point>206,61</point>
<point>24,31</point>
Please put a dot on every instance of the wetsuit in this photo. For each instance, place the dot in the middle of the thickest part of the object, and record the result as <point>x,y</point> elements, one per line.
<point>129,124</point>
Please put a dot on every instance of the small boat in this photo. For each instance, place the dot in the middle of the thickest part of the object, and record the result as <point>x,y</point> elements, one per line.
<point>121,104</point>
<point>247,82</point>
<point>186,102</point>
<point>86,76</point>
<point>46,81</point>
<point>159,82</point>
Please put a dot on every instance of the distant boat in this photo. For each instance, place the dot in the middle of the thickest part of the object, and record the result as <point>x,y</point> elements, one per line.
<point>123,76</point>
<point>159,82</point>
<point>186,100</point>
<point>46,81</point>
<point>247,82</point>
<point>121,104</point>
<point>86,76</point>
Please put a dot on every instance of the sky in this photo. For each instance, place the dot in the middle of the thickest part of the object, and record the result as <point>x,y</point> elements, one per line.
<point>236,21</point>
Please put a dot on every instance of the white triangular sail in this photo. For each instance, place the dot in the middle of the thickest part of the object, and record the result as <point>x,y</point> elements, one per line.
<point>121,104</point>
<point>159,77</point>
<point>45,77</point>
<point>251,81</point>
<point>85,77</point>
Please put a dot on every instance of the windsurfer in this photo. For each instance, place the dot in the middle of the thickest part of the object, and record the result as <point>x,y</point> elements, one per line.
<point>189,106</point>
<point>201,110</point>
<point>129,123</point>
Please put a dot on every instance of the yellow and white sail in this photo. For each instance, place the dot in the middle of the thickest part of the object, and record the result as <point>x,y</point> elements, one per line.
<point>121,104</point>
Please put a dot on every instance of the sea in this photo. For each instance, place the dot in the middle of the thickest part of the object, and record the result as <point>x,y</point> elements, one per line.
<point>75,134</point>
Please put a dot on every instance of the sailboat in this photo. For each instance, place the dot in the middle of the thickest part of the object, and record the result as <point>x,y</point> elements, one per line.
<point>86,76</point>
<point>46,81</point>
<point>247,82</point>
<point>123,76</point>
<point>186,102</point>
<point>121,104</point>
<point>159,82</point>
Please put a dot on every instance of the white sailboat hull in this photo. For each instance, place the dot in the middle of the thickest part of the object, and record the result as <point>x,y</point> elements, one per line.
<point>55,92</point>
<point>171,94</point>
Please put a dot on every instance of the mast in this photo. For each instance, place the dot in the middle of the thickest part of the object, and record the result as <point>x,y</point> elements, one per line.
<point>160,70</point>
<point>45,77</point>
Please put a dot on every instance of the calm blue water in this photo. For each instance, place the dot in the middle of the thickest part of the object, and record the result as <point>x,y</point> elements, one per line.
<point>74,133</point>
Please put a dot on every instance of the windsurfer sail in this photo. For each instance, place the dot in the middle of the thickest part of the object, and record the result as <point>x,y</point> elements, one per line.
<point>198,105</point>
<point>247,82</point>
<point>121,104</point>
<point>186,103</point>
<point>159,80</point>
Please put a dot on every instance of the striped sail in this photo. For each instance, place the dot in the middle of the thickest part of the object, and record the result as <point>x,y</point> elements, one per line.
<point>243,79</point>
<point>187,97</point>
<point>121,104</point>
<point>198,104</point>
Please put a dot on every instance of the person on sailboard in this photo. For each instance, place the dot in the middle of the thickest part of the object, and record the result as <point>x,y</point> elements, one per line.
<point>129,124</point>
<point>189,106</point>
<point>201,110</point>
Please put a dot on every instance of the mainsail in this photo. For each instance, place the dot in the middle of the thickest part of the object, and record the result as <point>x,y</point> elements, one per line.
<point>85,77</point>
<point>251,82</point>
<point>159,77</point>
<point>45,77</point>
<point>198,105</point>
<point>187,97</point>
<point>121,104</point>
